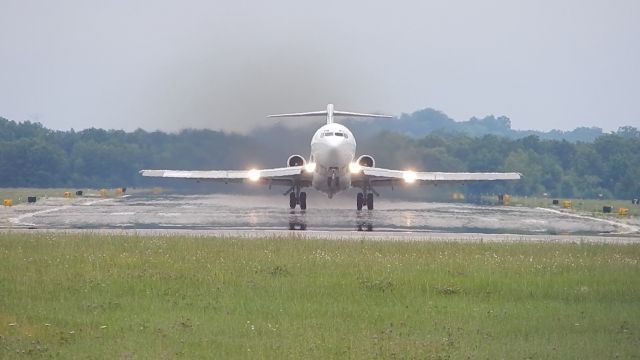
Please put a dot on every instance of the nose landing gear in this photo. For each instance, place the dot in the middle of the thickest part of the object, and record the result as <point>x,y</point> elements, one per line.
<point>333,181</point>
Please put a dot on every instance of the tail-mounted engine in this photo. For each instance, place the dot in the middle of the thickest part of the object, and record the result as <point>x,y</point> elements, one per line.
<point>366,161</point>
<point>296,160</point>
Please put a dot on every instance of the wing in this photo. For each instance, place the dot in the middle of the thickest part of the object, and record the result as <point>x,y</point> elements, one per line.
<point>379,176</point>
<point>278,176</point>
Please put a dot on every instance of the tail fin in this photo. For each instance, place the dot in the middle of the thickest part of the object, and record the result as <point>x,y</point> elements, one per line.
<point>330,113</point>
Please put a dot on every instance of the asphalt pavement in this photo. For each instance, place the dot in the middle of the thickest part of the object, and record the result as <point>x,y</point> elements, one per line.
<point>257,215</point>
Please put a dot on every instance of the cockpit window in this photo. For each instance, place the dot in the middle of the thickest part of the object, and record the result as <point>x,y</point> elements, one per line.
<point>326,133</point>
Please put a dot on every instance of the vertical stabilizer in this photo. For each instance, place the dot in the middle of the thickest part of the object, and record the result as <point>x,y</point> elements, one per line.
<point>329,113</point>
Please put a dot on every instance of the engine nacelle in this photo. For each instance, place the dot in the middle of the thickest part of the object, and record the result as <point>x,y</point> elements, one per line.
<point>296,160</point>
<point>366,161</point>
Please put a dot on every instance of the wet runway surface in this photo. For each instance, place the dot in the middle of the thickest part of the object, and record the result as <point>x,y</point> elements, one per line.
<point>229,213</point>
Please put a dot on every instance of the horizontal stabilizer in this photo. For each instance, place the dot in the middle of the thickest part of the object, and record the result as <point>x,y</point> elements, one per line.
<point>312,113</point>
<point>330,113</point>
<point>346,113</point>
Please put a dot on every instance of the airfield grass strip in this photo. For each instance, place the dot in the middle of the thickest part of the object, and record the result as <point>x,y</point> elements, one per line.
<point>129,297</point>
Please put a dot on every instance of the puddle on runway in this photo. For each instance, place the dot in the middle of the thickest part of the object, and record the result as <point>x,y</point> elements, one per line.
<point>224,211</point>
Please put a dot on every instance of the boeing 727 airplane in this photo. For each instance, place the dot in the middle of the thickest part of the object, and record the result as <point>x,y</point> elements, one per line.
<point>332,167</point>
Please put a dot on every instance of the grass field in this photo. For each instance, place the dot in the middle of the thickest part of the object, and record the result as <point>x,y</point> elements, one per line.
<point>119,297</point>
<point>20,195</point>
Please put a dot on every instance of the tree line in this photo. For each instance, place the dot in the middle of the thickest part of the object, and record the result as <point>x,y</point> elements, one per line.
<point>34,156</point>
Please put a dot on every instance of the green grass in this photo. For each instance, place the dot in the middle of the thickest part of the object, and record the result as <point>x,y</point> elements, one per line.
<point>20,195</point>
<point>128,297</point>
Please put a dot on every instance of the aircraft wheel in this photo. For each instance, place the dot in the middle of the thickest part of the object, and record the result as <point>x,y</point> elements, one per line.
<point>370,201</point>
<point>292,200</point>
<point>359,201</point>
<point>303,200</point>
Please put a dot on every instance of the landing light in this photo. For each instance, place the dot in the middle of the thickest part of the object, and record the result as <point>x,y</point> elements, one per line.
<point>409,176</point>
<point>254,175</point>
<point>310,167</point>
<point>355,168</point>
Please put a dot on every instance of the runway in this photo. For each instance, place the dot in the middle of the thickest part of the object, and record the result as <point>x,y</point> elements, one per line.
<point>259,215</point>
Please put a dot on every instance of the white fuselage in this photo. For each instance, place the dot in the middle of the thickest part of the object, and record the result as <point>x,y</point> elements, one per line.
<point>333,148</point>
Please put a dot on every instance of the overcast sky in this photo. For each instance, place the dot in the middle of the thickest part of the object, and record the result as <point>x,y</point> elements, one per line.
<point>226,64</point>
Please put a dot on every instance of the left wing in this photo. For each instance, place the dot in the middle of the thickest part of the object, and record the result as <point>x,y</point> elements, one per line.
<point>277,176</point>
<point>380,176</point>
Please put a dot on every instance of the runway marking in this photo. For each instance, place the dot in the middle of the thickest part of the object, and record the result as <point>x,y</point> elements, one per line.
<point>18,220</point>
<point>98,201</point>
<point>122,213</point>
<point>630,228</point>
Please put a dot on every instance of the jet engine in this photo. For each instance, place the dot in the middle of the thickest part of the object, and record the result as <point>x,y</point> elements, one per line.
<point>366,161</point>
<point>295,160</point>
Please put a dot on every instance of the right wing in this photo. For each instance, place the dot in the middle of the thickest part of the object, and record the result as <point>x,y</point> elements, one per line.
<point>380,176</point>
<point>277,176</point>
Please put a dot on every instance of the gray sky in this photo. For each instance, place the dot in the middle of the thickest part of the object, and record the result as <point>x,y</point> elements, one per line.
<point>226,64</point>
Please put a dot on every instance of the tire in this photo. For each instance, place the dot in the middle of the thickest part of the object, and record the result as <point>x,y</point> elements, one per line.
<point>370,201</point>
<point>292,200</point>
<point>303,200</point>
<point>359,201</point>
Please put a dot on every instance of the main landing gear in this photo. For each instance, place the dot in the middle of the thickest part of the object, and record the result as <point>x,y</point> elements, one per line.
<point>364,198</point>
<point>296,197</point>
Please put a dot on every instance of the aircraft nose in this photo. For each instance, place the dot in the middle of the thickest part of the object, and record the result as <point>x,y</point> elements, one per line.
<point>335,141</point>
<point>338,146</point>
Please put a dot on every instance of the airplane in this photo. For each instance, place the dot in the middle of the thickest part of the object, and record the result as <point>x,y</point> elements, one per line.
<point>331,168</point>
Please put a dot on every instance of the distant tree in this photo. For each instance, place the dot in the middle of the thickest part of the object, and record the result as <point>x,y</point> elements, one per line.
<point>31,162</point>
<point>32,155</point>
<point>628,132</point>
